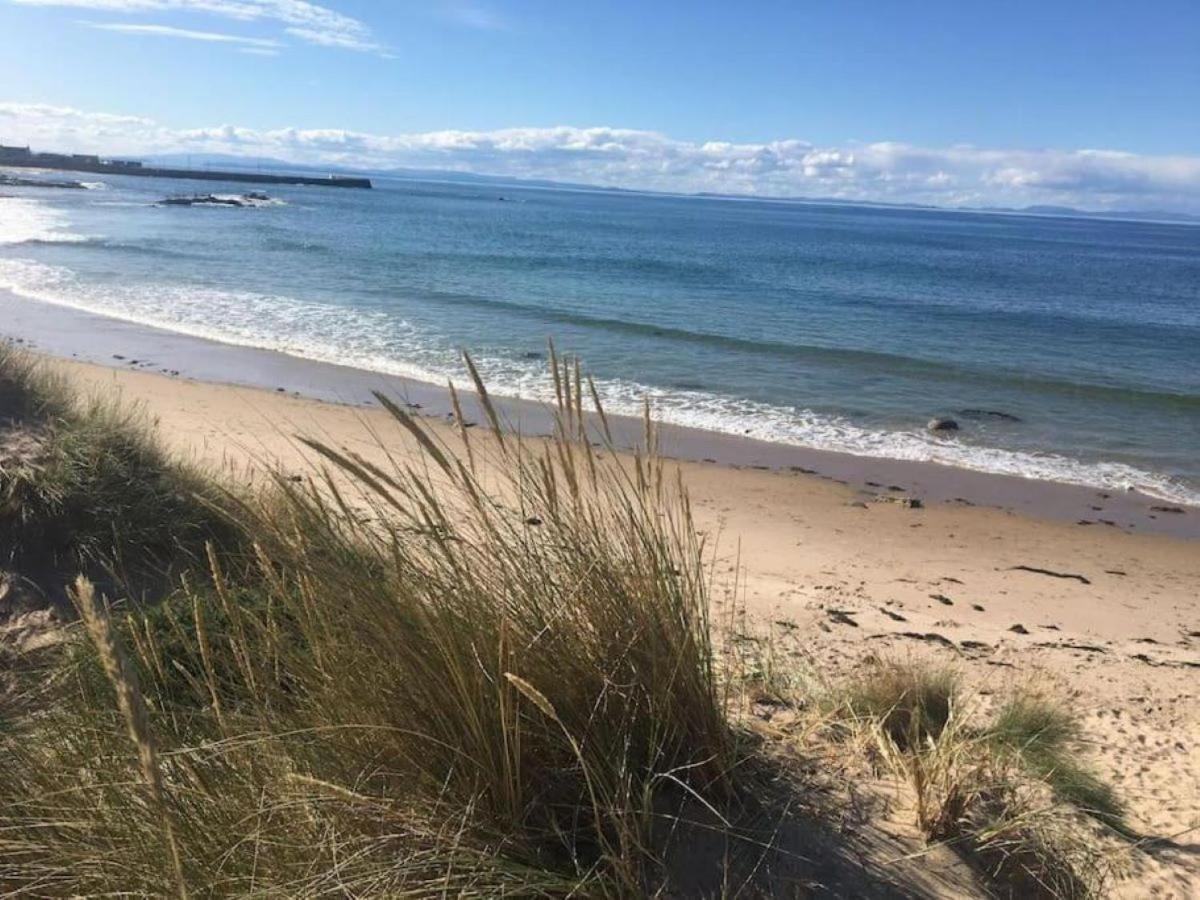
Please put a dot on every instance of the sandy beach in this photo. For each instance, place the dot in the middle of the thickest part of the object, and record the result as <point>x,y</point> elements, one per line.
<point>834,559</point>
<point>837,573</point>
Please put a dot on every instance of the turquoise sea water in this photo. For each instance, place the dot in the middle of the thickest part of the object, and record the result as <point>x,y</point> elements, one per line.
<point>838,327</point>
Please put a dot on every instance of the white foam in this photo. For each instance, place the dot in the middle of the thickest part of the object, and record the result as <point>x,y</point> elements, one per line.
<point>805,428</point>
<point>23,220</point>
<point>377,341</point>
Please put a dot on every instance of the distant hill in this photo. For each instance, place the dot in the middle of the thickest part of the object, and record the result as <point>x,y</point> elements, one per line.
<point>1140,215</point>
<point>270,164</point>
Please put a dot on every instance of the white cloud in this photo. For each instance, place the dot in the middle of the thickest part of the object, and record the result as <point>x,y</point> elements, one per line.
<point>185,34</point>
<point>881,171</point>
<point>302,19</point>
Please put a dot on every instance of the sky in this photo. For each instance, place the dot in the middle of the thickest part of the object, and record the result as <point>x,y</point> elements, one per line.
<point>1090,104</point>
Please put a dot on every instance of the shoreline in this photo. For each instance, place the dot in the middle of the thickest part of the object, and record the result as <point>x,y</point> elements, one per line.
<point>71,334</point>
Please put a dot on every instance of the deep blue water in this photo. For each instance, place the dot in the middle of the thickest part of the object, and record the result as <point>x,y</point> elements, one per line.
<point>838,327</point>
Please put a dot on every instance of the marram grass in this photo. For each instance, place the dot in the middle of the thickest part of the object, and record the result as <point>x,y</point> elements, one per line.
<point>464,676</point>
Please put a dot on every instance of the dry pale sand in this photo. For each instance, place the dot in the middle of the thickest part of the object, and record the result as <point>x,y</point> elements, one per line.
<point>847,574</point>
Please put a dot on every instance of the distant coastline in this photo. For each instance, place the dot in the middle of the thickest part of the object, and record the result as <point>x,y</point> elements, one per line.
<point>24,157</point>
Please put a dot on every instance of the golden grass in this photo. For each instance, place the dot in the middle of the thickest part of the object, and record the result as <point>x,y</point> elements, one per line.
<point>496,674</point>
<point>997,789</point>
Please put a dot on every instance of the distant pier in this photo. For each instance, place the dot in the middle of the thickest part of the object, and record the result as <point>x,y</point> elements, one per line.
<point>22,157</point>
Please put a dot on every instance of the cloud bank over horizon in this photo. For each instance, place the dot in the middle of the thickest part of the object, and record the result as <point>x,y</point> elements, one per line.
<point>885,171</point>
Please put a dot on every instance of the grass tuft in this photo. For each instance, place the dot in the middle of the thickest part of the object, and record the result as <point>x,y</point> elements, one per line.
<point>1047,737</point>
<point>1007,794</point>
<point>911,703</point>
<point>88,489</point>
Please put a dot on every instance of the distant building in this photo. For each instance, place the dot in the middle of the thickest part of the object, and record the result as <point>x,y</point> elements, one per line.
<point>7,152</point>
<point>123,163</point>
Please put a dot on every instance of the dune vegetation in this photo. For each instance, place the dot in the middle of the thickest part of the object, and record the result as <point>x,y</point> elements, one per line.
<point>489,670</point>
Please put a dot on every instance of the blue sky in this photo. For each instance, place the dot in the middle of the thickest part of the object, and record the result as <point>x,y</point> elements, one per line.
<point>928,101</point>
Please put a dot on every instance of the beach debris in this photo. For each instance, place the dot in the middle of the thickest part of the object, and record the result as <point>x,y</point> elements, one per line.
<point>1115,572</point>
<point>931,637</point>
<point>977,607</point>
<point>942,599</point>
<point>842,617</point>
<point>1039,571</point>
<point>1019,629</point>
<point>894,616</point>
<point>976,646</point>
<point>1169,664</point>
<point>1174,510</point>
<point>906,502</point>
<point>1070,645</point>
<point>939,423</point>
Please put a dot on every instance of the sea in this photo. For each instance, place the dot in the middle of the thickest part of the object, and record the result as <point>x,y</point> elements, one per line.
<point>1066,349</point>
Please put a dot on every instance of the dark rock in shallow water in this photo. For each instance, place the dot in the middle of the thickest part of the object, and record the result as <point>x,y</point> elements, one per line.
<point>940,424</point>
<point>200,200</point>
<point>252,199</point>
<point>989,414</point>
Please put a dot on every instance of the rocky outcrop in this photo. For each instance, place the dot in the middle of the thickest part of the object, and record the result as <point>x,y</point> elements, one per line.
<point>254,198</point>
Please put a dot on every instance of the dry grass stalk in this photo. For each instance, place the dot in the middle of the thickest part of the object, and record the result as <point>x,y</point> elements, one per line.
<point>124,681</point>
